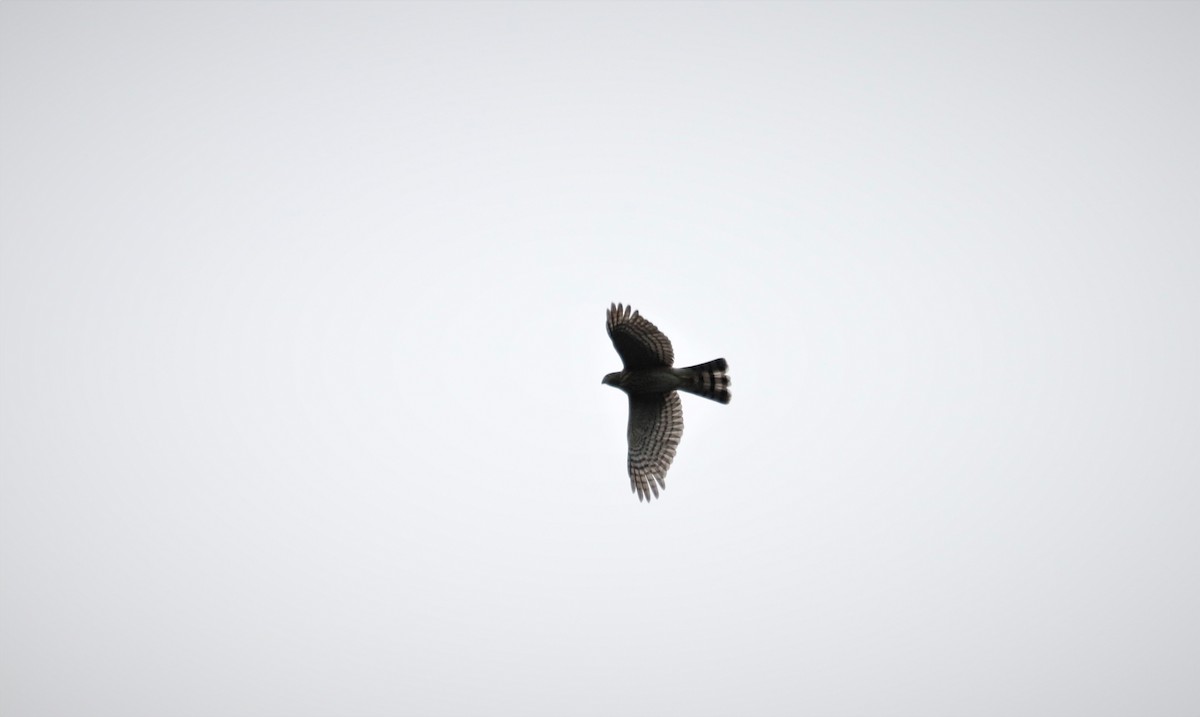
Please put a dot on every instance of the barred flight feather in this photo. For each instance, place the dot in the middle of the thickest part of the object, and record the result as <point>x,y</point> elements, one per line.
<point>638,342</point>
<point>655,428</point>
<point>710,380</point>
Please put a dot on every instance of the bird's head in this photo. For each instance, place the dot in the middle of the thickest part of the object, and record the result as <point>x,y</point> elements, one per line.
<point>612,379</point>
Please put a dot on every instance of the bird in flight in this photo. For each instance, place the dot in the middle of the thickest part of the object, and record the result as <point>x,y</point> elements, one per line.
<point>655,414</point>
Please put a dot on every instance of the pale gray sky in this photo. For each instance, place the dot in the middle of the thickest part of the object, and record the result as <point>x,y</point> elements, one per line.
<point>302,333</point>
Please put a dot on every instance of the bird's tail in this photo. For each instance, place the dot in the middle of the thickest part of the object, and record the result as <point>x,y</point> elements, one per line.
<point>709,380</point>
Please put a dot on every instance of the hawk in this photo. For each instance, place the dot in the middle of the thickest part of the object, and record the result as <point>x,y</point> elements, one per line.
<point>655,414</point>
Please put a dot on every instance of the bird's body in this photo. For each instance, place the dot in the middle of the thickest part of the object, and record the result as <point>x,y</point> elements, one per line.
<point>702,380</point>
<point>650,380</point>
<point>655,413</point>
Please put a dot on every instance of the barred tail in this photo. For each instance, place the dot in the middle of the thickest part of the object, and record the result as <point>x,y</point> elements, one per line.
<point>709,380</point>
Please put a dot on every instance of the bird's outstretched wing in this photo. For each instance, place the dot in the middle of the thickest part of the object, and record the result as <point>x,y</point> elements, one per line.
<point>639,342</point>
<point>655,427</point>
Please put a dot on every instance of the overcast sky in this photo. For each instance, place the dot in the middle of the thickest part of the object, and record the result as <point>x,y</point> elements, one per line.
<point>302,332</point>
